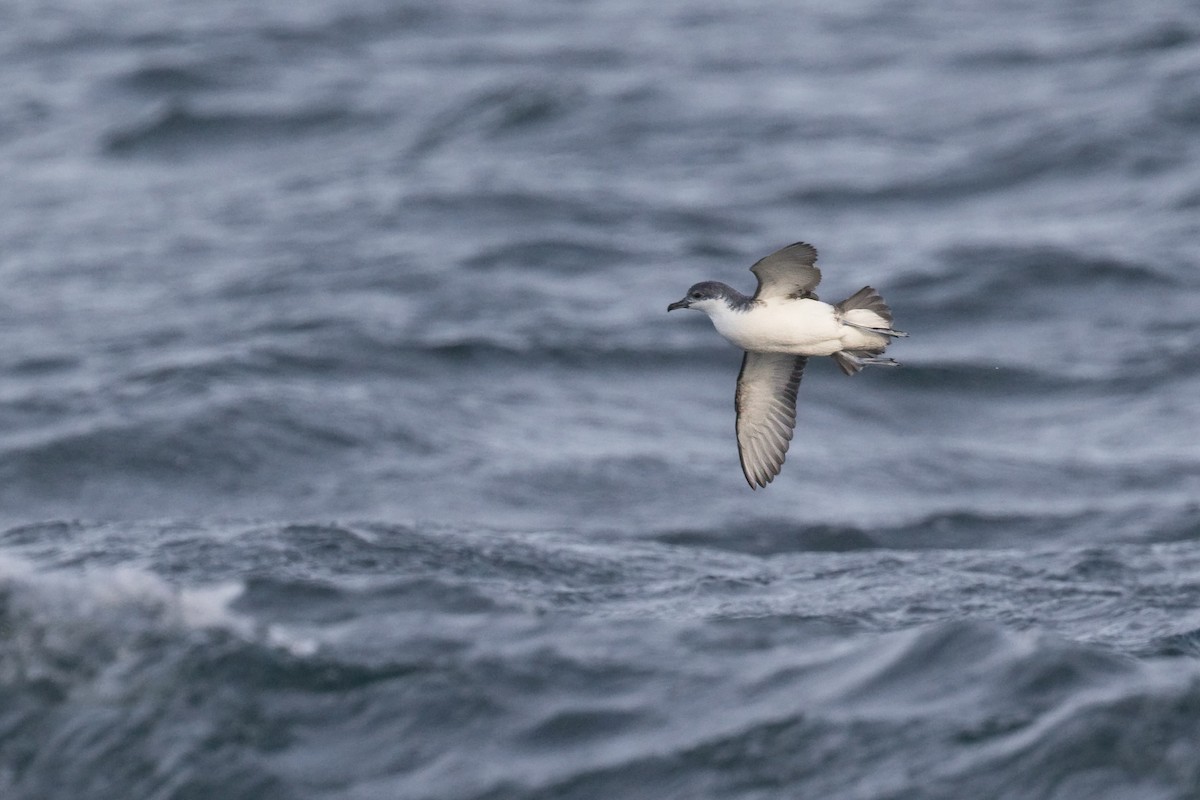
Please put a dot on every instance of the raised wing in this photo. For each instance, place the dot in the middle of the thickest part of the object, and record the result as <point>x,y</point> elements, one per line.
<point>766,412</point>
<point>790,272</point>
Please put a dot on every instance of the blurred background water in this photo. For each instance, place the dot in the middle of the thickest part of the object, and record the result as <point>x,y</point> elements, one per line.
<point>347,450</point>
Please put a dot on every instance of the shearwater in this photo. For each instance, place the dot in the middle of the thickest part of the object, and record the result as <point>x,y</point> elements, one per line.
<point>779,328</point>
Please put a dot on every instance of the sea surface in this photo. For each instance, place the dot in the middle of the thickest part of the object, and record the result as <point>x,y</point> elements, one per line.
<point>347,450</point>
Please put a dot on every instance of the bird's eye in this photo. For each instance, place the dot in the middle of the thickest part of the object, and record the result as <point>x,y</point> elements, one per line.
<point>696,295</point>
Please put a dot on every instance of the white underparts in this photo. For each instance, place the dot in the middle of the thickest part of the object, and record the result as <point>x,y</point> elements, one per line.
<point>799,327</point>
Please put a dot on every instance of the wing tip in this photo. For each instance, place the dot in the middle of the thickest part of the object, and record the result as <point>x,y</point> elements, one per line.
<point>805,246</point>
<point>762,474</point>
<point>806,252</point>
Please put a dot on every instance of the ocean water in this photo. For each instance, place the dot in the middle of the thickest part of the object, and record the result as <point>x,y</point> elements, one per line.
<point>347,449</point>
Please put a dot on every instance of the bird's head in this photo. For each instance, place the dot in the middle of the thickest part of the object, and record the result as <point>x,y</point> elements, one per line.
<point>704,296</point>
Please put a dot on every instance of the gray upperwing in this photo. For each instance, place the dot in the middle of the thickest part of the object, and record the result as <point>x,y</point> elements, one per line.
<point>766,412</point>
<point>790,272</point>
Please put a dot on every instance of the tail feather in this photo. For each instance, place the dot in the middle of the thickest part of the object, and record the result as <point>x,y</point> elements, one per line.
<point>853,361</point>
<point>866,298</point>
<point>850,365</point>
<point>866,311</point>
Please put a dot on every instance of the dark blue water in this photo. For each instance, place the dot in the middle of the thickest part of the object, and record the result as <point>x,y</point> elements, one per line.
<point>347,449</point>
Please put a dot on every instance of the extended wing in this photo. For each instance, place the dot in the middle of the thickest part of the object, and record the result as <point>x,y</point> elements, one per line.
<point>766,412</point>
<point>790,272</point>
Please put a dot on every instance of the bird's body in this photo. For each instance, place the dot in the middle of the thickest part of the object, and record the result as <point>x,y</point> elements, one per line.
<point>801,327</point>
<point>780,327</point>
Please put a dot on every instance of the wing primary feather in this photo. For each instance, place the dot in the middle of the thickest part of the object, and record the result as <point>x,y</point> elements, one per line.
<point>766,412</point>
<point>788,272</point>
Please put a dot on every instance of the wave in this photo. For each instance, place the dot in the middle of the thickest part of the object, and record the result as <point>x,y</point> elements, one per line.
<point>496,112</point>
<point>328,659</point>
<point>222,29</point>
<point>555,255</point>
<point>966,529</point>
<point>503,705</point>
<point>201,447</point>
<point>341,26</point>
<point>1009,158</point>
<point>169,79</point>
<point>985,271</point>
<point>1146,36</point>
<point>177,128</point>
<point>1018,711</point>
<point>64,628</point>
<point>1038,284</point>
<point>96,678</point>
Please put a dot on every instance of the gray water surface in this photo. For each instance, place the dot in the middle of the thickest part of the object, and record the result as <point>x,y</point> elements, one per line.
<point>347,450</point>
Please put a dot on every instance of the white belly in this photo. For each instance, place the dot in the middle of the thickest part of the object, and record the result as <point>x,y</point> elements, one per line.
<point>801,327</point>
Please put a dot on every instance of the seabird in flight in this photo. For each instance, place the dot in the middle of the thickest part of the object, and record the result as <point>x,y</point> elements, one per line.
<point>779,328</point>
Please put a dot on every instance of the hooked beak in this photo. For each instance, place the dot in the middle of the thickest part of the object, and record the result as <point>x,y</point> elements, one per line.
<point>680,304</point>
